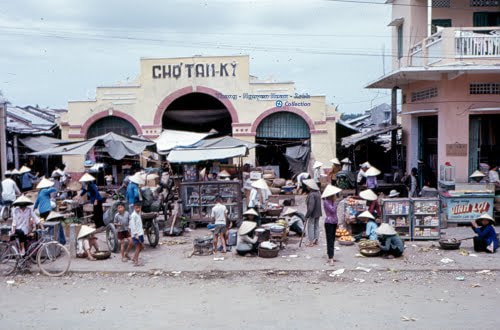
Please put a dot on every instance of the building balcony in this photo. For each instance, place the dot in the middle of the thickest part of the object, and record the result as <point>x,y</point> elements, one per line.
<point>474,46</point>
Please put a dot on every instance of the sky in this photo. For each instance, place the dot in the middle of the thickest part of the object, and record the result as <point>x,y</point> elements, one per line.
<point>55,51</point>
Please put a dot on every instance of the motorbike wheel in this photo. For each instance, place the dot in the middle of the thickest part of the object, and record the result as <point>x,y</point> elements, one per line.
<point>153,233</point>
<point>4,213</point>
<point>111,239</point>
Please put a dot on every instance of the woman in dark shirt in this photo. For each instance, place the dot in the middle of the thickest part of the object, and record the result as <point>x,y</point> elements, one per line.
<point>90,189</point>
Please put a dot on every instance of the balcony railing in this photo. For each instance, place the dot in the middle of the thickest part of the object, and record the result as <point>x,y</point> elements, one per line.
<point>476,45</point>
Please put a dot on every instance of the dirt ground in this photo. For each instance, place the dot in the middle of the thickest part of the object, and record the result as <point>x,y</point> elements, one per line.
<point>252,300</point>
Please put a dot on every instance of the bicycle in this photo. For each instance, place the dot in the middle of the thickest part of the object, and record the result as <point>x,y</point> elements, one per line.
<point>52,258</point>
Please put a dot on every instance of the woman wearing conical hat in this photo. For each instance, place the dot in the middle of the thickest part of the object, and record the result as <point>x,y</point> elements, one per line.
<point>486,239</point>
<point>247,240</point>
<point>330,205</point>
<point>24,220</point>
<point>390,243</point>
<point>90,189</point>
<point>42,202</point>
<point>313,203</point>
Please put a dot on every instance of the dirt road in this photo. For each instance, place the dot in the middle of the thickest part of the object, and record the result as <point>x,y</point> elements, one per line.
<point>259,300</point>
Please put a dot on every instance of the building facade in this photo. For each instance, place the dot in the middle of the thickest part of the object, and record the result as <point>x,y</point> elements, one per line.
<point>201,94</point>
<point>446,62</point>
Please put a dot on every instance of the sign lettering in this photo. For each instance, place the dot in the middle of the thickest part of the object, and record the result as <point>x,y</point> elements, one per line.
<point>191,70</point>
<point>469,208</point>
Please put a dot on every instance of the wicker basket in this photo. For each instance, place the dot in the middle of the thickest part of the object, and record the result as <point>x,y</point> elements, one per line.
<point>449,245</point>
<point>274,212</point>
<point>279,182</point>
<point>275,191</point>
<point>346,243</point>
<point>266,253</point>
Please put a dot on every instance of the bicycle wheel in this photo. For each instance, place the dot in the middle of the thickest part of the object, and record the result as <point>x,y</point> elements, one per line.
<point>153,233</point>
<point>53,259</point>
<point>8,259</point>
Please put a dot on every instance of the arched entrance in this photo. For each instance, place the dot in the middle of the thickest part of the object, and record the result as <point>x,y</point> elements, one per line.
<point>197,112</point>
<point>276,133</point>
<point>111,124</point>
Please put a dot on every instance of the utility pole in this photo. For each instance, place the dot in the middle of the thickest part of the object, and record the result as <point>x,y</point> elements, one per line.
<point>394,121</point>
<point>3,137</point>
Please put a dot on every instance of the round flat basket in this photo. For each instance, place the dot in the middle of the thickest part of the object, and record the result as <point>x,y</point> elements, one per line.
<point>370,252</point>
<point>368,244</point>
<point>449,244</point>
<point>101,255</point>
<point>346,243</point>
<point>266,253</point>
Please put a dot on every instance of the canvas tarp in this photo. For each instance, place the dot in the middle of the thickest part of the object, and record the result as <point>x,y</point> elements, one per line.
<point>224,142</point>
<point>298,158</point>
<point>115,145</point>
<point>194,155</point>
<point>355,138</point>
<point>170,139</point>
<point>41,142</point>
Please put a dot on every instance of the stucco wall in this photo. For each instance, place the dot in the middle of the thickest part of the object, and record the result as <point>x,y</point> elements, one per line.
<point>227,78</point>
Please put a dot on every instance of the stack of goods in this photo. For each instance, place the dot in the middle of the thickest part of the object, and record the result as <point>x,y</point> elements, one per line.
<point>369,248</point>
<point>344,237</point>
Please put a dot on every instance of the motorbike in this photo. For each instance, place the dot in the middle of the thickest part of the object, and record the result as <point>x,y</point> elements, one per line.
<point>346,180</point>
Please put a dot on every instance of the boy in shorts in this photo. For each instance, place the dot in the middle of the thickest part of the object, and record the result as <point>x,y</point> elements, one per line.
<point>219,214</point>
<point>137,232</point>
<point>122,223</point>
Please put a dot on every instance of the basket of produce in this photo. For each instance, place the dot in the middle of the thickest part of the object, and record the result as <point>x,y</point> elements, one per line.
<point>368,244</point>
<point>346,240</point>
<point>370,252</point>
<point>101,255</point>
<point>341,232</point>
<point>268,250</point>
<point>274,212</point>
<point>449,244</point>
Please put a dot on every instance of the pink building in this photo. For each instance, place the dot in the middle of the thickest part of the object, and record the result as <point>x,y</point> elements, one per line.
<point>446,62</point>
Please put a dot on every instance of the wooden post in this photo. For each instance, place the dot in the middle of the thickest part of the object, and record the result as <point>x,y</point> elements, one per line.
<point>72,240</point>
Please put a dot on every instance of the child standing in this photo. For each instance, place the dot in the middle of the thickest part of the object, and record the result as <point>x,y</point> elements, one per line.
<point>122,224</point>
<point>137,232</point>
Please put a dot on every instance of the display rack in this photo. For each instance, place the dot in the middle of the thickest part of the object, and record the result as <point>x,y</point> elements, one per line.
<point>396,212</point>
<point>198,198</point>
<point>426,218</point>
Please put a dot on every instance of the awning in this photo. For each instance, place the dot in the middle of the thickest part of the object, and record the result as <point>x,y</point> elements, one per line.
<point>484,109</point>
<point>194,155</point>
<point>397,22</point>
<point>355,138</point>
<point>42,142</point>
<point>224,142</point>
<point>115,145</point>
<point>419,112</point>
<point>170,139</point>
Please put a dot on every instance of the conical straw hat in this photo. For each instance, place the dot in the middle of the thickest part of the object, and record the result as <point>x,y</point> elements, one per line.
<point>317,164</point>
<point>85,230</point>
<point>477,174</point>
<point>251,212</point>
<point>203,172</point>
<point>330,190</point>
<point>137,178</point>
<point>368,195</point>
<point>44,183</point>
<point>385,229</point>
<point>345,161</point>
<point>366,214</point>
<point>311,184</point>
<point>366,165</point>
<point>224,174</point>
<point>24,169</point>
<point>22,200</point>
<point>486,216</point>
<point>288,211</point>
<point>246,227</point>
<point>15,172</point>
<point>372,171</point>
<point>335,161</point>
<point>393,193</point>
<point>86,178</point>
<point>260,184</point>
<point>54,216</point>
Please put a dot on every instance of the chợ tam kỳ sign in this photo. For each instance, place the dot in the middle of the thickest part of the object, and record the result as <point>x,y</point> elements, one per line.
<point>468,208</point>
<point>192,70</point>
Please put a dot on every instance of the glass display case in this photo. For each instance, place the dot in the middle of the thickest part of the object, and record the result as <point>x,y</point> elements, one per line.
<point>396,212</point>
<point>426,219</point>
<point>198,198</point>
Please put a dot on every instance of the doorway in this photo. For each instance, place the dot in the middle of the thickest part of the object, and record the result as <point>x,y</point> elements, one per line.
<point>484,139</point>
<point>428,150</point>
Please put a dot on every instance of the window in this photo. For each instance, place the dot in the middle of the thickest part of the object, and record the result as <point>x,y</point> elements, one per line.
<point>111,124</point>
<point>440,22</point>
<point>441,3</point>
<point>481,19</point>
<point>484,88</point>
<point>425,94</point>
<point>400,41</point>
<point>484,3</point>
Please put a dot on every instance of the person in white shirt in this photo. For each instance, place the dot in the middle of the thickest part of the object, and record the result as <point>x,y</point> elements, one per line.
<point>300,178</point>
<point>493,176</point>
<point>24,220</point>
<point>295,222</point>
<point>219,214</point>
<point>10,190</point>
<point>137,232</point>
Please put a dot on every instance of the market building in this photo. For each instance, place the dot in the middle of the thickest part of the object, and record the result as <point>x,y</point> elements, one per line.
<point>446,56</point>
<point>201,94</point>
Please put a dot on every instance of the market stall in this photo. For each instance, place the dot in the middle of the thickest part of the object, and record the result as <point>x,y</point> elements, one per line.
<point>467,202</point>
<point>413,218</point>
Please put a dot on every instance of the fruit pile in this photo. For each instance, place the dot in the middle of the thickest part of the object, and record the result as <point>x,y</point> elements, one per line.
<point>343,235</point>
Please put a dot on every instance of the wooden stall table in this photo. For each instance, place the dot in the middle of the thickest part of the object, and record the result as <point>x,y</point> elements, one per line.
<point>279,238</point>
